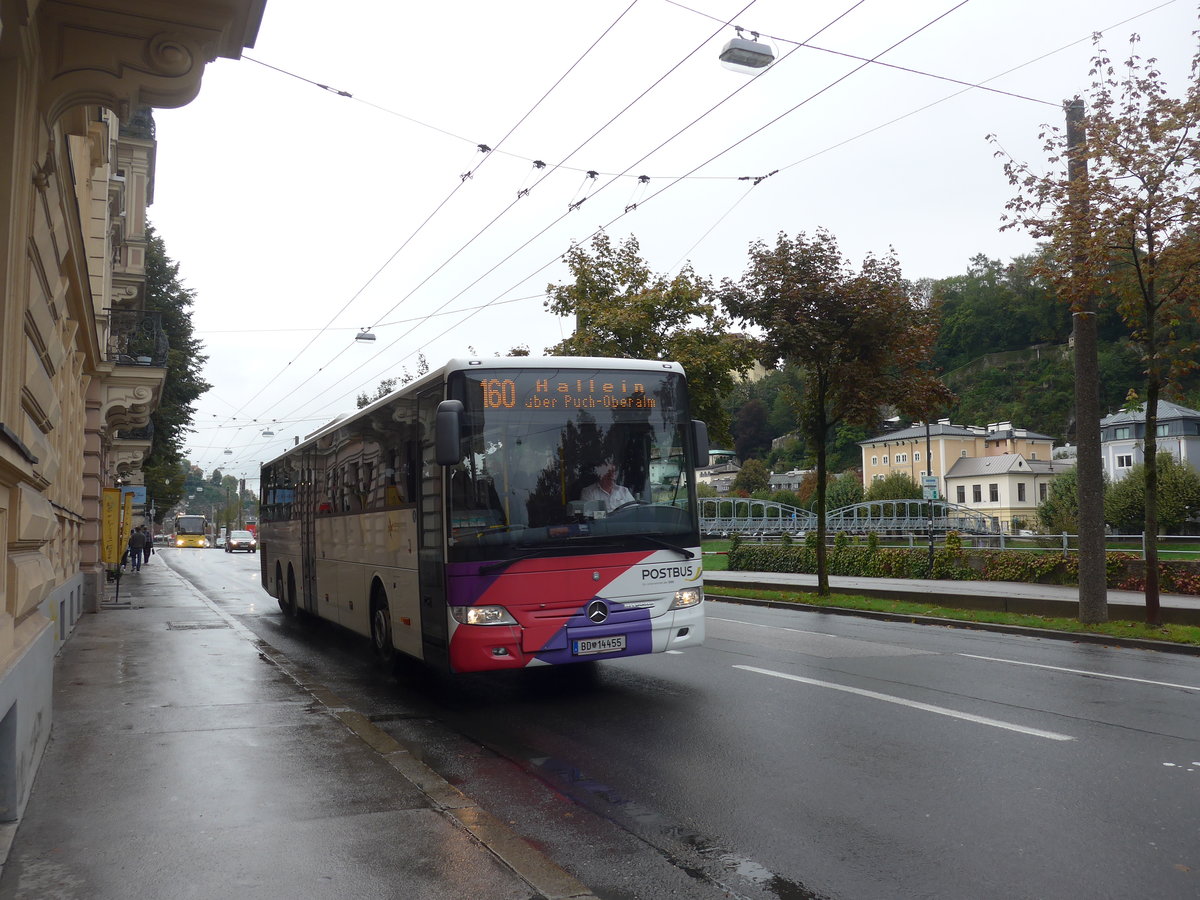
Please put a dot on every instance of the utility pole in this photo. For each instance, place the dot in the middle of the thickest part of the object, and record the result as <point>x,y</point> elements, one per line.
<point>928,477</point>
<point>1093,580</point>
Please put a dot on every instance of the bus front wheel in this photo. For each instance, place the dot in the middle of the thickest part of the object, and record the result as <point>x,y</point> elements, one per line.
<point>381,627</point>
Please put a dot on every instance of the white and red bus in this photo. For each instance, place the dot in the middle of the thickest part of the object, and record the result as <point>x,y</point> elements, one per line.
<point>499,513</point>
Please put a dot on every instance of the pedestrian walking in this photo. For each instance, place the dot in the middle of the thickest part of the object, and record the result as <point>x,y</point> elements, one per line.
<point>149,548</point>
<point>136,548</point>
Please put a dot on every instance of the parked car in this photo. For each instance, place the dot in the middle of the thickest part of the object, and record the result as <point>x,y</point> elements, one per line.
<point>220,541</point>
<point>241,540</point>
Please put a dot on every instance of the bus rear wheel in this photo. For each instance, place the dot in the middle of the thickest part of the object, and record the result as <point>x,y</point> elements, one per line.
<point>286,593</point>
<point>381,627</point>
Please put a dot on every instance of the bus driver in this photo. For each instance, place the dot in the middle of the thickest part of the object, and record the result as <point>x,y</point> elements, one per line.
<point>606,489</point>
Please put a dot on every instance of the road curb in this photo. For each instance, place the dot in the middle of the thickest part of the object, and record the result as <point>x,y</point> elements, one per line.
<point>1024,631</point>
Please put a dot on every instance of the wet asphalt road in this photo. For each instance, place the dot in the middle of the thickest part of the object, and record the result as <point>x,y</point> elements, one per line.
<point>801,755</point>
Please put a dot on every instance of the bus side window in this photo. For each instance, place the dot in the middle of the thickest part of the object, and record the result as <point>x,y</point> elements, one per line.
<point>395,489</point>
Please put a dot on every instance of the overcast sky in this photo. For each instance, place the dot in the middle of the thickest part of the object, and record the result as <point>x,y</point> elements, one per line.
<point>300,216</point>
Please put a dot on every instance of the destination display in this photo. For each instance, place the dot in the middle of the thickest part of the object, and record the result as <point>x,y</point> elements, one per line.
<point>532,391</point>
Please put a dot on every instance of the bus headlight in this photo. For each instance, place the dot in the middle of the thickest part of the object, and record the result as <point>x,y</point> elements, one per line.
<point>685,597</point>
<point>482,615</point>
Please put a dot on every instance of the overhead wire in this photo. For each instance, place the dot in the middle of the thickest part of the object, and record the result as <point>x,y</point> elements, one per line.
<point>483,148</point>
<point>611,181</point>
<point>591,174</point>
<point>421,318</point>
<point>458,137</point>
<point>970,86</point>
<point>543,177</point>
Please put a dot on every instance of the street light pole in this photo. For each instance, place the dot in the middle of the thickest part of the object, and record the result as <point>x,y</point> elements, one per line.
<point>929,474</point>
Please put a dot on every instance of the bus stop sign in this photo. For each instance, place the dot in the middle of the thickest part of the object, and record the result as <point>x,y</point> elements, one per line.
<point>929,487</point>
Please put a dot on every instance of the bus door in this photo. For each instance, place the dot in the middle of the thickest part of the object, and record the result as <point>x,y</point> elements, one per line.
<point>431,555</point>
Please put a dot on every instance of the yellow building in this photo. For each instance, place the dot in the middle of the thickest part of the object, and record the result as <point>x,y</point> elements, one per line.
<point>919,449</point>
<point>81,362</point>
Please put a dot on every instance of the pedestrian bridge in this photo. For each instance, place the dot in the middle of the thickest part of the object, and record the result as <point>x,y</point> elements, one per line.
<point>743,515</point>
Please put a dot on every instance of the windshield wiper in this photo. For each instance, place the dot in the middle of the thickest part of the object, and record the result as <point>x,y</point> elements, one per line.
<point>687,554</point>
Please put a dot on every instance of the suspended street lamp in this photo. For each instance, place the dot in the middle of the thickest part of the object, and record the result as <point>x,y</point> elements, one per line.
<point>746,56</point>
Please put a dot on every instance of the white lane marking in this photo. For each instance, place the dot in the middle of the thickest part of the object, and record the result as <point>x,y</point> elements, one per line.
<point>1017,662</point>
<point>912,704</point>
<point>761,625</point>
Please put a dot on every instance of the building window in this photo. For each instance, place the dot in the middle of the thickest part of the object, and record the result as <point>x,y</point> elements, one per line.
<point>960,494</point>
<point>1042,492</point>
<point>874,460</point>
<point>994,493</point>
<point>1033,456</point>
<point>1125,461</point>
<point>885,462</point>
<point>976,493</point>
<point>1020,492</point>
<point>1121,433</point>
<point>901,457</point>
<point>916,457</point>
<point>1163,430</point>
<point>962,453</point>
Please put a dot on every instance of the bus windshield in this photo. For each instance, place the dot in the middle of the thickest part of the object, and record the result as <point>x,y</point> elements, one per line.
<point>191,524</point>
<point>570,457</point>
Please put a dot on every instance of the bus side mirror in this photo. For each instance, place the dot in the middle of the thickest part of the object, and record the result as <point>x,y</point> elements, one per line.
<point>700,439</point>
<point>448,432</point>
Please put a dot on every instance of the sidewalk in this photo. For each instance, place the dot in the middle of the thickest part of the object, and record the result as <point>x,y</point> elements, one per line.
<point>187,760</point>
<point>1005,596</point>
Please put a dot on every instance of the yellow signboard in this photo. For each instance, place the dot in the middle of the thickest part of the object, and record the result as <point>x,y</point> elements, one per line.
<point>110,526</point>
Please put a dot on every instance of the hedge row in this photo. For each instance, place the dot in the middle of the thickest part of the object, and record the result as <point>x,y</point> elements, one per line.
<point>1125,572</point>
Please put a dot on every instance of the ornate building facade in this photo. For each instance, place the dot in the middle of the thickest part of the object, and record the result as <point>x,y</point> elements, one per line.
<point>82,363</point>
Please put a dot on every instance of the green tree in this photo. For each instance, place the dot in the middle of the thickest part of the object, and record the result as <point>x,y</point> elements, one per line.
<point>387,385</point>
<point>1130,230</point>
<point>858,337</point>
<point>1059,512</point>
<point>753,476</point>
<point>844,490</point>
<point>751,438</point>
<point>1179,497</point>
<point>623,310</point>
<point>894,486</point>
<point>164,467</point>
<point>994,307</point>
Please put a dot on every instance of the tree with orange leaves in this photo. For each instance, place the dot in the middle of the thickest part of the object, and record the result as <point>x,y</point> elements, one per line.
<point>860,338</point>
<point>1127,232</point>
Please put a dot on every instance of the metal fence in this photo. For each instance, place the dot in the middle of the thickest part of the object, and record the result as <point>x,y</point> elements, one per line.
<point>1170,547</point>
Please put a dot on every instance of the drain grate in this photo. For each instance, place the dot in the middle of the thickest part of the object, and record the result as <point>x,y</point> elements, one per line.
<point>194,626</point>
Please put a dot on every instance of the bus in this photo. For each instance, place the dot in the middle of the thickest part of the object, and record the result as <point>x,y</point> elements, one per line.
<point>463,519</point>
<point>191,531</point>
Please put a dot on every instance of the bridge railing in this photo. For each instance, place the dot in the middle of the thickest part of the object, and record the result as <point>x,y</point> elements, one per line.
<point>744,515</point>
